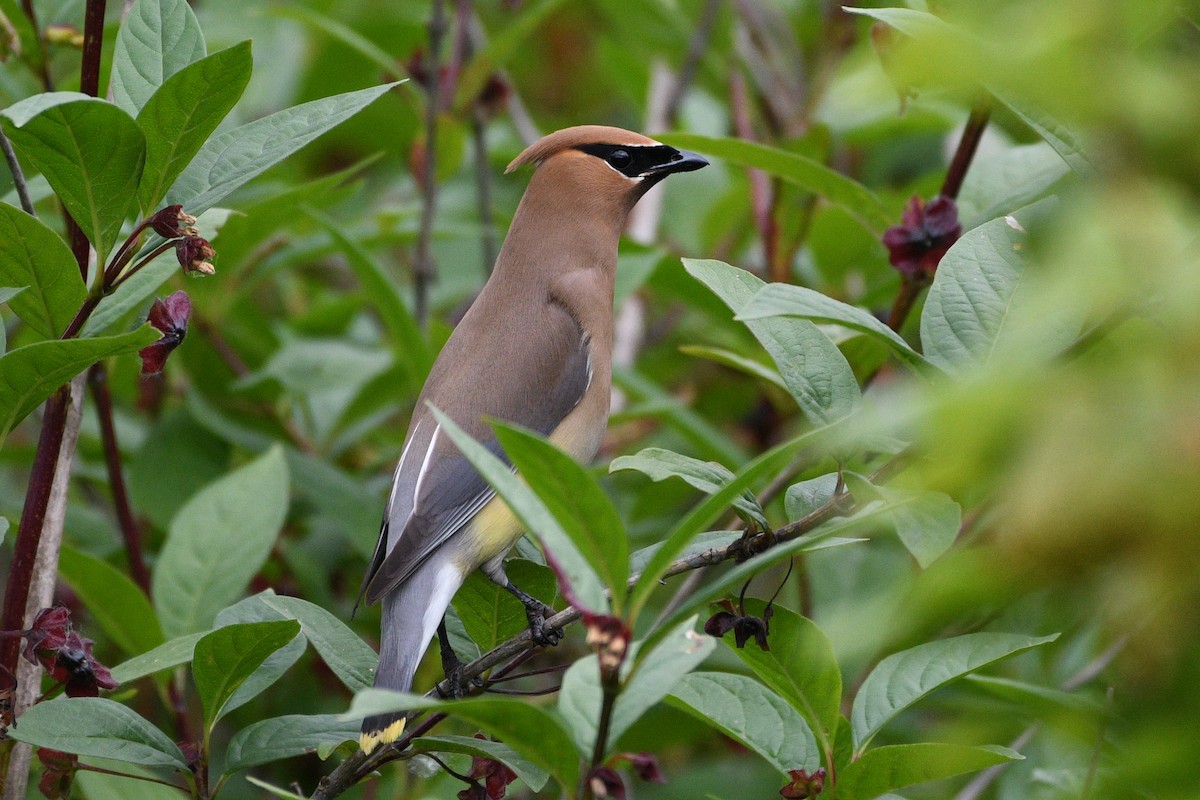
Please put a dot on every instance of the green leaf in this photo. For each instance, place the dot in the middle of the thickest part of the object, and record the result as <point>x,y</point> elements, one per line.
<point>782,300</point>
<point>709,509</point>
<point>812,367</point>
<point>532,513</point>
<point>283,737</point>
<point>90,151</point>
<point>733,360</point>
<point>576,501</point>
<point>34,257</point>
<point>646,683</point>
<point>252,609</point>
<point>807,496</point>
<point>113,600</point>
<point>408,343</point>
<point>1008,181</point>
<point>708,476</point>
<point>218,542</point>
<point>96,726</point>
<point>903,678</point>
<point>885,769</point>
<point>159,38</point>
<point>927,522</point>
<point>346,655</point>
<point>228,160</point>
<point>1063,139</point>
<point>225,658</point>
<point>856,199</point>
<point>534,776</point>
<point>976,300</point>
<point>490,614</point>
<point>745,710</point>
<point>167,655</point>
<point>533,733</point>
<point>103,786</point>
<point>30,374</point>
<point>800,667</point>
<point>183,112</point>
<point>177,458</point>
<point>132,293</point>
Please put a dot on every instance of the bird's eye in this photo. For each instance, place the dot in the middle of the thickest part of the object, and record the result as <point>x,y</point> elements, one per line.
<point>620,159</point>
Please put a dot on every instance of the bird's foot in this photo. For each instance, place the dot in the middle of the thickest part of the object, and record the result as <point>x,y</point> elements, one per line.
<point>453,667</point>
<point>537,613</point>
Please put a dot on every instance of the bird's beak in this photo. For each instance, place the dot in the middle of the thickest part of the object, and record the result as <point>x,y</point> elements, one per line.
<point>680,161</point>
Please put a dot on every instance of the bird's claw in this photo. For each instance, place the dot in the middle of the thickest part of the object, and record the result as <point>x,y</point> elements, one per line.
<point>542,634</point>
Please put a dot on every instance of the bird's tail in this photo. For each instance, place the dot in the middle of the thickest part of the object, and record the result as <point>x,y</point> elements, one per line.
<point>411,613</point>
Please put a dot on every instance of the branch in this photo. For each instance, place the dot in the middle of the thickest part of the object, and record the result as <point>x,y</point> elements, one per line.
<point>424,270</point>
<point>18,176</point>
<point>359,766</point>
<point>98,383</point>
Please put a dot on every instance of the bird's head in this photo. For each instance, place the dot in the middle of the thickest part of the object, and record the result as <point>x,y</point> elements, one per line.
<point>595,165</point>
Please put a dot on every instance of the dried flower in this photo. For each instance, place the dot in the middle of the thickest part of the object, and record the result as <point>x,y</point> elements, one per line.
<point>644,764</point>
<point>167,222</point>
<point>744,626</point>
<point>916,246</point>
<point>608,635</point>
<point>48,632</point>
<point>804,784</point>
<point>58,773</point>
<point>76,668</point>
<point>495,776</point>
<point>169,315</point>
<point>194,252</point>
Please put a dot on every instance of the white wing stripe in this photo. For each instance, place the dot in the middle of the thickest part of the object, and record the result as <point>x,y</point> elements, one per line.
<point>403,457</point>
<point>425,466</point>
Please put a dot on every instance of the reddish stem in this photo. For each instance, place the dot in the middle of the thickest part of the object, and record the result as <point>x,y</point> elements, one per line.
<point>967,145</point>
<point>98,381</point>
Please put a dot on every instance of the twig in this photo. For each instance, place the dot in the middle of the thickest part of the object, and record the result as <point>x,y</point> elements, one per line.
<point>761,196</point>
<point>18,176</point>
<point>691,62</point>
<point>424,270</point>
<point>521,646</point>
<point>98,383</point>
<point>43,54</point>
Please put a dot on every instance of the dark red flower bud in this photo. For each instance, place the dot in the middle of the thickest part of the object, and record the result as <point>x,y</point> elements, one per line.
<point>916,246</point>
<point>804,784</point>
<point>605,782</point>
<point>167,222</point>
<point>58,773</point>
<point>644,764</point>
<point>169,315</point>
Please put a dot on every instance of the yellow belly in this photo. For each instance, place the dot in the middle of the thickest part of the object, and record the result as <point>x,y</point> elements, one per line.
<point>494,530</point>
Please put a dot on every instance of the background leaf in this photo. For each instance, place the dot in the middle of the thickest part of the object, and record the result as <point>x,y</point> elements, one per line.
<point>159,38</point>
<point>218,542</point>
<point>903,678</point>
<point>884,769</point>
<point>113,600</point>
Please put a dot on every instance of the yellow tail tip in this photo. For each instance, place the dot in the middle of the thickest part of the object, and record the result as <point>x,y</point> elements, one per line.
<point>369,741</point>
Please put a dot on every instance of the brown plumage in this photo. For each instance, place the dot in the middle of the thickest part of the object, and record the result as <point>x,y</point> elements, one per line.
<point>534,349</point>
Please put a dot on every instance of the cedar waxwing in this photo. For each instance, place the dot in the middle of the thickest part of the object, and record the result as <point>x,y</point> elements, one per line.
<point>535,350</point>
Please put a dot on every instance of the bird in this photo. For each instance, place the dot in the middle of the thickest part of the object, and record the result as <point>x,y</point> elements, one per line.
<point>534,349</point>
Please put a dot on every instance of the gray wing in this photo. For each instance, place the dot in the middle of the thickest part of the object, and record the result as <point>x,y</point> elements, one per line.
<point>436,490</point>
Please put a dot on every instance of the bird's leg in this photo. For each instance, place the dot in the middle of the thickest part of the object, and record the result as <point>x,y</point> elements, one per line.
<point>537,613</point>
<point>453,666</point>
